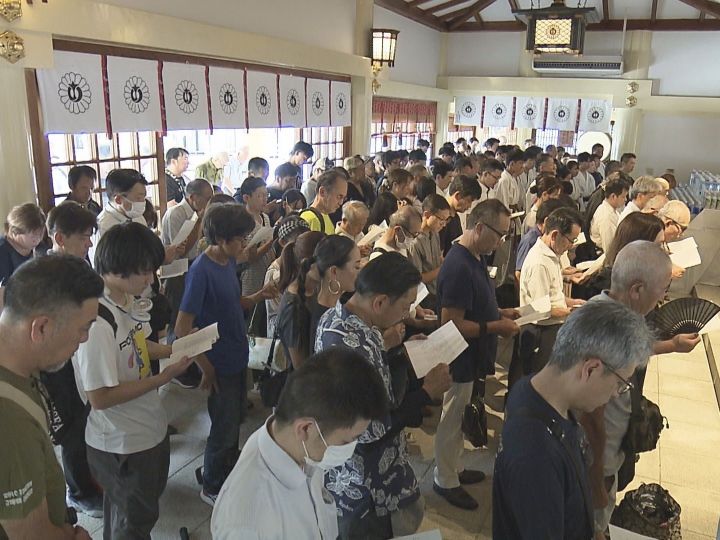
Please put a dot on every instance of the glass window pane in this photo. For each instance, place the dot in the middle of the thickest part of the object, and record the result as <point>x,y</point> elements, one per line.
<point>146,141</point>
<point>105,168</point>
<point>125,144</point>
<point>152,194</point>
<point>148,167</point>
<point>60,181</point>
<point>130,164</point>
<point>105,147</point>
<point>58,148</point>
<point>83,147</point>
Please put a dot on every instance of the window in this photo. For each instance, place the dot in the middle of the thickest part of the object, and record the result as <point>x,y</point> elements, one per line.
<point>327,142</point>
<point>456,132</point>
<point>397,124</point>
<point>566,139</point>
<point>123,150</point>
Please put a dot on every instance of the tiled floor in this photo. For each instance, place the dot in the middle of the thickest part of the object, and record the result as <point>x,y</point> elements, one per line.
<point>685,462</point>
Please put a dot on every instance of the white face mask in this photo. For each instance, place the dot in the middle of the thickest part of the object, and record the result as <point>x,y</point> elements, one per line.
<point>137,210</point>
<point>334,455</point>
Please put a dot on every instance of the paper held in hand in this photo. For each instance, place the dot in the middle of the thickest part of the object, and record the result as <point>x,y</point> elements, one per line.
<point>422,292</point>
<point>535,311</point>
<point>261,236</point>
<point>184,231</point>
<point>373,235</point>
<point>519,214</point>
<point>194,344</point>
<point>427,535</point>
<point>616,533</point>
<point>441,347</point>
<point>174,269</point>
<point>581,239</point>
<point>684,253</point>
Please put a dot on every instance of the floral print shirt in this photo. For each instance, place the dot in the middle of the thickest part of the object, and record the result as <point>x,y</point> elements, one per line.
<point>378,474</point>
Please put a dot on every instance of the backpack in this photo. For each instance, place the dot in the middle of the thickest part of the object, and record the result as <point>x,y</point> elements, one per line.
<point>318,215</point>
<point>651,511</point>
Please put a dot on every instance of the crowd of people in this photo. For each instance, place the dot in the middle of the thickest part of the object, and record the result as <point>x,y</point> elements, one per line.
<point>328,270</point>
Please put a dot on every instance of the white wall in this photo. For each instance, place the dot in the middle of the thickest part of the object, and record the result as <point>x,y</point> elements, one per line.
<point>323,23</point>
<point>417,59</point>
<point>485,54</point>
<point>686,63</point>
<point>678,142</point>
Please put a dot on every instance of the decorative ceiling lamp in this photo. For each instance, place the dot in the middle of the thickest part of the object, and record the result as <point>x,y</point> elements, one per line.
<point>10,10</point>
<point>556,28</point>
<point>383,52</point>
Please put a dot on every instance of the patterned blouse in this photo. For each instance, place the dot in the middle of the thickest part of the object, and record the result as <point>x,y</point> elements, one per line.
<point>379,473</point>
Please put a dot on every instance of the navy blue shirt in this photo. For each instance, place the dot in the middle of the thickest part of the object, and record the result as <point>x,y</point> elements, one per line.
<point>464,283</point>
<point>537,494</point>
<point>10,259</point>
<point>528,240</point>
<point>212,294</point>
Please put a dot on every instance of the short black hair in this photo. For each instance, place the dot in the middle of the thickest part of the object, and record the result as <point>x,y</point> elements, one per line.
<point>70,218</point>
<point>615,185</point>
<point>492,164</point>
<point>128,248</point>
<point>257,165</point>
<point>514,155</point>
<point>329,179</point>
<point>466,186</point>
<point>627,156</point>
<point>597,145</point>
<point>250,184</point>
<point>336,387</point>
<point>474,139</point>
<point>390,274</point>
<point>461,162</point>
<point>225,222</point>
<point>294,195</point>
<point>75,174</point>
<point>305,148</point>
<point>287,169</point>
<point>388,157</point>
<point>49,284</point>
<point>563,220</point>
<point>197,186</point>
<point>175,153</point>
<point>425,186</point>
<point>491,142</point>
<point>447,151</point>
<point>532,152</point>
<point>121,181</point>
<point>423,142</point>
<point>547,208</point>
<point>435,203</point>
<point>584,157</point>
<point>439,168</point>
<point>417,155</point>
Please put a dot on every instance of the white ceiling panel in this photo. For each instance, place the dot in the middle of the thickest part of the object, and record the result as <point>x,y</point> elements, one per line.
<point>674,9</point>
<point>458,8</point>
<point>498,11</point>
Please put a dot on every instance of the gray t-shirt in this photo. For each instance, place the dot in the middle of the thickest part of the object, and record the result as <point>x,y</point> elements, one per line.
<point>426,255</point>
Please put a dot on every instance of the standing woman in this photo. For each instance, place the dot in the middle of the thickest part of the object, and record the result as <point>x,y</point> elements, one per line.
<point>259,254</point>
<point>546,187</point>
<point>400,183</point>
<point>24,230</point>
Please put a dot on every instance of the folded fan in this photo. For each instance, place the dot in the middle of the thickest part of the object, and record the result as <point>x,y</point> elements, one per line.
<point>683,316</point>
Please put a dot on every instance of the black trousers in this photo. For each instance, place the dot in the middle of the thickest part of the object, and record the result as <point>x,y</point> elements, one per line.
<point>78,477</point>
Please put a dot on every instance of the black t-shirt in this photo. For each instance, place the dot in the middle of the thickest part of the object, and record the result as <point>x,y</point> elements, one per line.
<point>175,188</point>
<point>452,230</point>
<point>536,492</point>
<point>10,259</point>
<point>293,323</point>
<point>464,283</point>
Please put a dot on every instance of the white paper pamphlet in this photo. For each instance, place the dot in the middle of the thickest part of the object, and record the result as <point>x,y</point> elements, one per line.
<point>422,292</point>
<point>184,231</point>
<point>713,325</point>
<point>616,533</point>
<point>373,234</point>
<point>174,269</point>
<point>261,236</point>
<point>684,253</point>
<point>441,347</point>
<point>535,311</point>
<point>196,343</point>
<point>427,535</point>
<point>580,239</point>
<point>519,214</point>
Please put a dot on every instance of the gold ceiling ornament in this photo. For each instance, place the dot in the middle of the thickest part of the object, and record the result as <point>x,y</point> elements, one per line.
<point>632,87</point>
<point>12,46</point>
<point>631,101</point>
<point>10,9</point>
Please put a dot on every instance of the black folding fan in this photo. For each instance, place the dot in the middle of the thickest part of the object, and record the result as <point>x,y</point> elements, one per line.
<point>683,316</point>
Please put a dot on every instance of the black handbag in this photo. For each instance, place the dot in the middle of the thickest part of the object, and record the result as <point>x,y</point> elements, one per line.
<point>474,419</point>
<point>271,381</point>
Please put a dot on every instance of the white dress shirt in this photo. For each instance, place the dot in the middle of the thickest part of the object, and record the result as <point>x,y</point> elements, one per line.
<point>583,187</point>
<point>541,276</point>
<point>629,209</point>
<point>268,496</point>
<point>507,190</point>
<point>525,180</point>
<point>603,226</point>
<point>108,218</point>
<point>173,221</point>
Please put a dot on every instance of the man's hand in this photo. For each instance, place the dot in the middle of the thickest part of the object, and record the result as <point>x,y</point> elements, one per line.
<point>209,379</point>
<point>251,253</point>
<point>684,343</point>
<point>437,381</point>
<point>575,302</point>
<point>394,335</point>
<point>178,368</point>
<point>365,250</point>
<point>268,292</point>
<point>181,248</point>
<point>677,272</point>
<point>504,327</point>
<point>510,313</point>
<point>580,278</point>
<point>417,337</point>
<point>422,313</point>
<point>171,253</point>
<point>271,207</point>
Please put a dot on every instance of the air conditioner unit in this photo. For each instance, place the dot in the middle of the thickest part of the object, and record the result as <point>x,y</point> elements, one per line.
<point>568,65</point>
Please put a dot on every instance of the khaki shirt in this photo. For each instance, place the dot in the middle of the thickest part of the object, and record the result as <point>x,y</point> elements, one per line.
<point>29,470</point>
<point>210,172</point>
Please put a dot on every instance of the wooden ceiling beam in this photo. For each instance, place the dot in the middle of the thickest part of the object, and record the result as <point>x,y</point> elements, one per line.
<point>706,6</point>
<point>606,10</point>
<point>465,14</point>
<point>513,5</point>
<point>445,5</point>
<point>660,25</point>
<point>415,3</point>
<point>414,13</point>
<point>653,11</point>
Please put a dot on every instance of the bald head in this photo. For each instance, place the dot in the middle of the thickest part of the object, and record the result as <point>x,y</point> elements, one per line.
<point>641,263</point>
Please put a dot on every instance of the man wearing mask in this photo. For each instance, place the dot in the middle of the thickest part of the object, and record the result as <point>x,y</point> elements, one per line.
<point>404,227</point>
<point>313,429</point>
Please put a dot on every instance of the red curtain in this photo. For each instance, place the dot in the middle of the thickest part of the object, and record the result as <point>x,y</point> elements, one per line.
<point>404,111</point>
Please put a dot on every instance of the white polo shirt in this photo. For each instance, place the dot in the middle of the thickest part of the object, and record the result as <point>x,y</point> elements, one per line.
<point>541,275</point>
<point>269,497</point>
<point>172,222</point>
<point>583,187</point>
<point>507,190</point>
<point>603,226</point>
<point>630,208</point>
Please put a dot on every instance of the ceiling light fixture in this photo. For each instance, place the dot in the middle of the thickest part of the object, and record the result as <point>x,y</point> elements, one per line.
<point>383,44</point>
<point>556,28</point>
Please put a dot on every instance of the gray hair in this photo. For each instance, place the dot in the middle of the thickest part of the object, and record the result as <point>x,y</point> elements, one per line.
<point>640,262</point>
<point>197,186</point>
<point>643,185</point>
<point>488,211</point>
<point>608,331</point>
<point>353,210</point>
<point>405,216</point>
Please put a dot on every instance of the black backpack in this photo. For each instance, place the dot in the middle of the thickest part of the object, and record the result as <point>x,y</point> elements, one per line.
<point>318,215</point>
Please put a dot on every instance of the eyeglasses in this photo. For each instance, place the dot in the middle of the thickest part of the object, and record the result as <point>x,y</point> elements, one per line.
<point>673,222</point>
<point>410,233</point>
<point>573,241</point>
<point>441,220</point>
<point>626,385</point>
<point>496,178</point>
<point>503,236</point>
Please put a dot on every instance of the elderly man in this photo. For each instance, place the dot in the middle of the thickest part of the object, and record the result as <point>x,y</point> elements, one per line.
<point>640,277</point>
<point>213,169</point>
<point>354,218</point>
<point>676,217</point>
<point>405,227</point>
<point>644,189</point>
<point>540,485</point>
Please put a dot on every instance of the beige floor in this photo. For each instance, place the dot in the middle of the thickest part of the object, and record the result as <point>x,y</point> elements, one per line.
<point>685,462</point>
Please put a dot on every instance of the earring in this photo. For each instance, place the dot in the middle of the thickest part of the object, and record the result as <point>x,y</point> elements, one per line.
<point>330,287</point>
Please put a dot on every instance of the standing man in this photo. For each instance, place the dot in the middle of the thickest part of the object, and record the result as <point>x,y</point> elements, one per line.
<point>331,193</point>
<point>540,486</point>
<point>642,190</point>
<point>598,150</point>
<point>177,161</point>
<point>81,181</point>
<point>50,305</point>
<point>462,192</point>
<point>583,183</point>
<point>442,174</point>
<point>628,162</point>
<point>426,251</point>
<point>213,169</point>
<point>607,216</point>
<point>466,296</point>
<point>508,189</point>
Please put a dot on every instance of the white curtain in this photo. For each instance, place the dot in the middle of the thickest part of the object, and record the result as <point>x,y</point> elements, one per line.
<point>134,93</point>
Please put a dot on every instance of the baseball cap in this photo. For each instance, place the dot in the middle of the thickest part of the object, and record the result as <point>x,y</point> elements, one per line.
<point>353,162</point>
<point>677,211</point>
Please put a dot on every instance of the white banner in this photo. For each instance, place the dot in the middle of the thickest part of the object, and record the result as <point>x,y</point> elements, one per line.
<point>595,115</point>
<point>341,96</point>
<point>292,101</point>
<point>71,93</point>
<point>468,111</point>
<point>185,91</point>
<point>134,94</point>
<point>498,111</point>
<point>227,98</point>
<point>262,99</point>
<point>562,114</point>
<point>529,112</point>
<point>317,93</point>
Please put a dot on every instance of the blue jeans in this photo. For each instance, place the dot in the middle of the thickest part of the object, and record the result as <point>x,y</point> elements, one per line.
<point>226,408</point>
